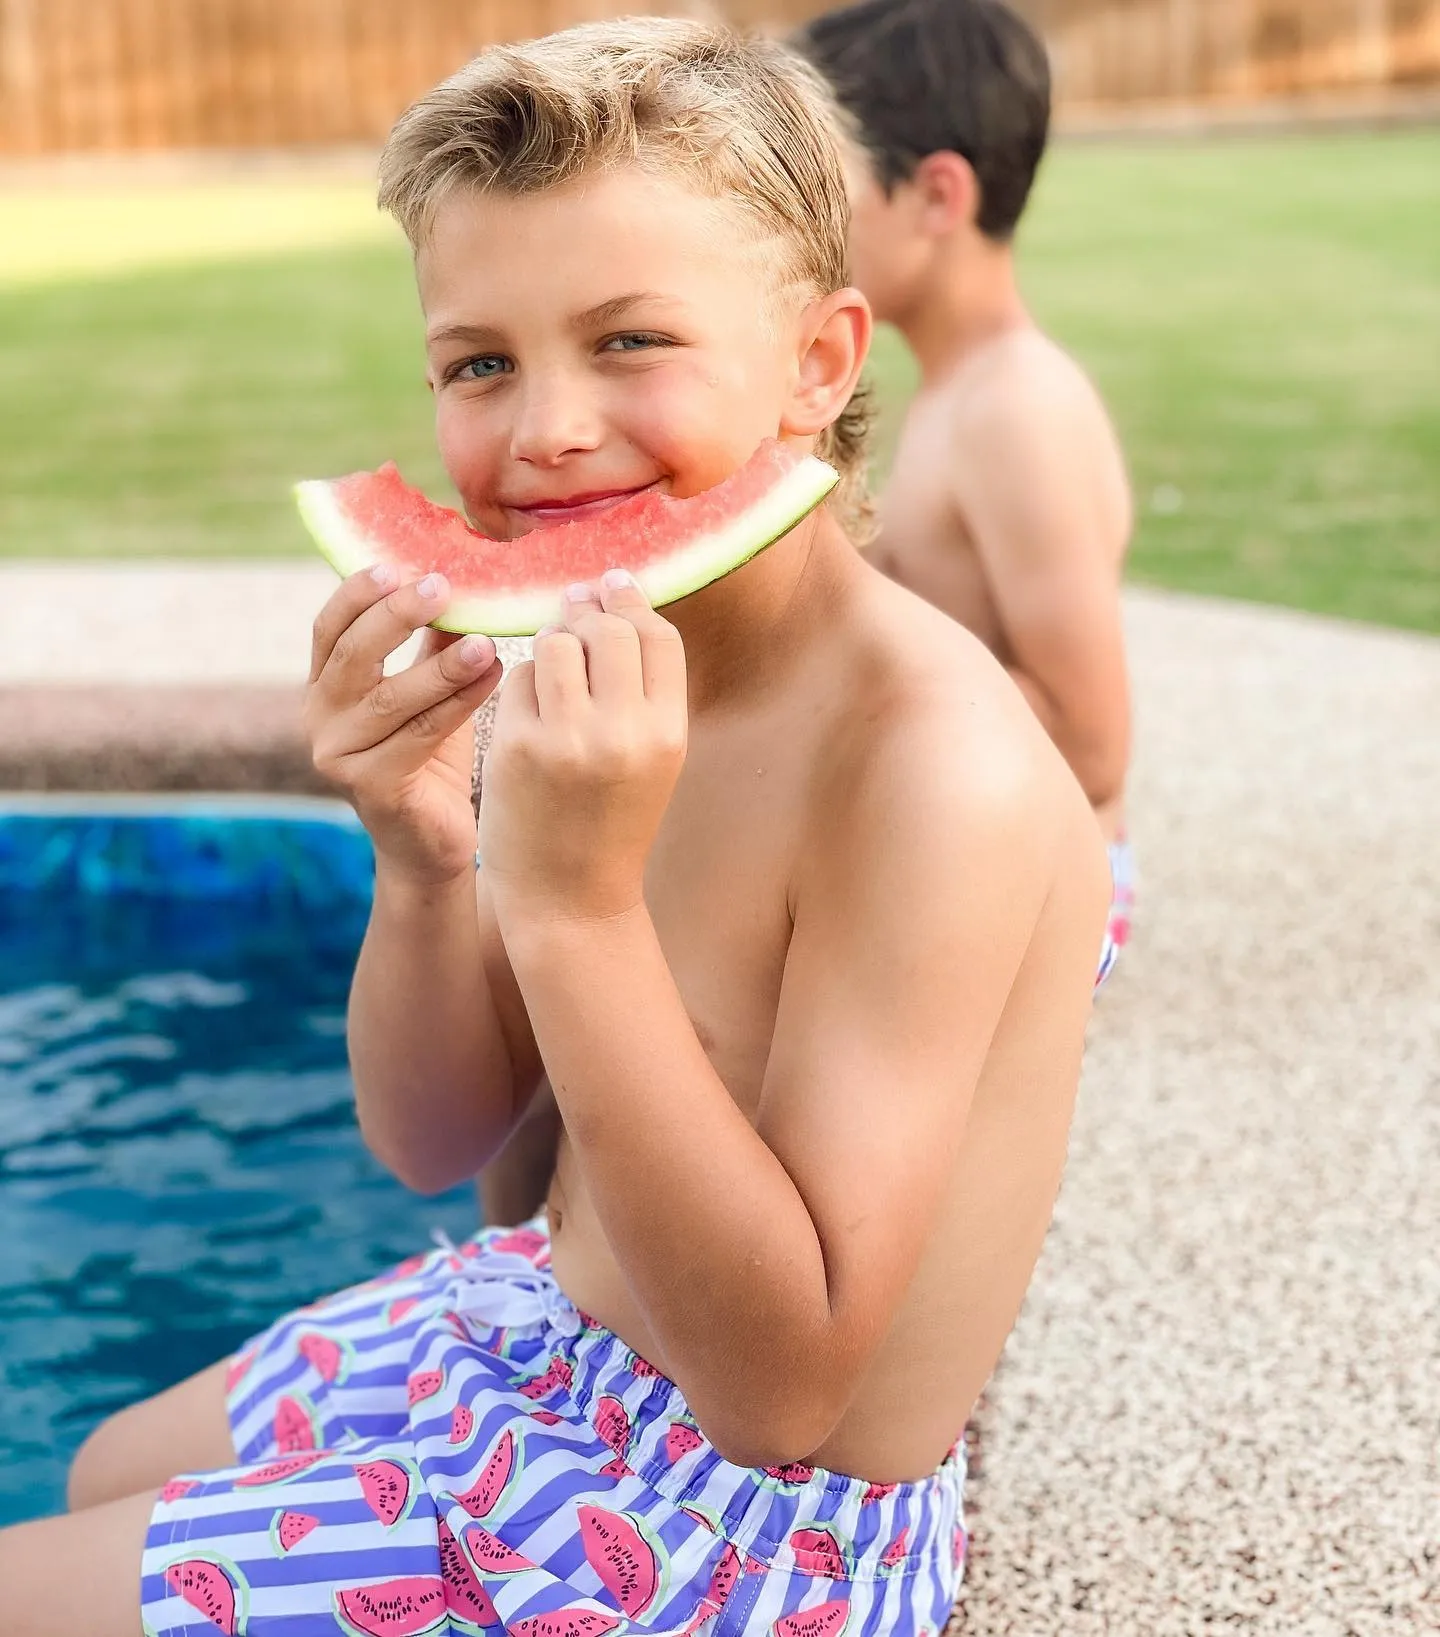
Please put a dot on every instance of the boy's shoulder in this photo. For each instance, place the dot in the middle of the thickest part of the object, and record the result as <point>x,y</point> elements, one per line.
<point>1022,383</point>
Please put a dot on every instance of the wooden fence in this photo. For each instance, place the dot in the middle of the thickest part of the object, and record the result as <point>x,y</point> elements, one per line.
<point>131,74</point>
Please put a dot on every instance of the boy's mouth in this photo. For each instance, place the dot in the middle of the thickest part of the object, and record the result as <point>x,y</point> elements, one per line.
<point>573,507</point>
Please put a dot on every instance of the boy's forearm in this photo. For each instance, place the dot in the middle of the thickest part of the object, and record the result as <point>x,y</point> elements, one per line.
<point>716,1243</point>
<point>433,1080</point>
<point>1101,773</point>
<point>514,1185</point>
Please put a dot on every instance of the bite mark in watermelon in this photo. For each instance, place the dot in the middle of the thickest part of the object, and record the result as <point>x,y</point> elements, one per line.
<point>630,1561</point>
<point>387,1488</point>
<point>393,1608</point>
<point>288,1529</point>
<point>208,1587</point>
<point>673,547</point>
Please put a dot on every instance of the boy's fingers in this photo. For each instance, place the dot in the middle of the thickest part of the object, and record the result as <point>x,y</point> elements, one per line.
<point>558,673</point>
<point>612,656</point>
<point>518,699</point>
<point>662,653</point>
<point>359,651</point>
<point>344,606</point>
<point>416,740</point>
<point>468,666</point>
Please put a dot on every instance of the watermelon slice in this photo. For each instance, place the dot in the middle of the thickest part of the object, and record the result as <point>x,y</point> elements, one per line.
<point>510,588</point>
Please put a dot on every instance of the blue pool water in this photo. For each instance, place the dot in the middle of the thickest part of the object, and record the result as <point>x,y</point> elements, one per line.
<point>178,1153</point>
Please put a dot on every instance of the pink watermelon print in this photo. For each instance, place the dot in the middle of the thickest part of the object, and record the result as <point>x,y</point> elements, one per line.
<point>402,1270</point>
<point>818,1552</point>
<point>557,1374</point>
<point>613,1426</point>
<point>643,1367</point>
<point>465,1595</point>
<point>462,1424</point>
<point>238,1368</point>
<point>177,1489</point>
<point>278,1472</point>
<point>564,1623</point>
<point>289,1528</point>
<point>295,1426</point>
<point>546,1418</point>
<point>401,1309</point>
<point>796,1473</point>
<point>703,1516</point>
<point>493,1556</point>
<point>480,1500</point>
<point>962,1544</point>
<point>877,1492</point>
<point>422,1385</point>
<point>386,1488</point>
<point>824,1620</point>
<point>324,1354</point>
<point>207,1587</point>
<point>681,1439</point>
<point>394,1608</point>
<point>629,1561</point>
<point>530,1243</point>
<point>897,1550</point>
<point>722,1583</point>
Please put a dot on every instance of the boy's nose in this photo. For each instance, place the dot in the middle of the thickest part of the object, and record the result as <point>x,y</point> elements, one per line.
<point>553,420</point>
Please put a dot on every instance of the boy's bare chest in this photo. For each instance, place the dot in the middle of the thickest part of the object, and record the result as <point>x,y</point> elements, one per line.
<point>924,541</point>
<point>717,886</point>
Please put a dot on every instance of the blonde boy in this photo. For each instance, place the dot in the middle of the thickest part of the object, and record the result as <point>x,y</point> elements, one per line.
<point>787,902</point>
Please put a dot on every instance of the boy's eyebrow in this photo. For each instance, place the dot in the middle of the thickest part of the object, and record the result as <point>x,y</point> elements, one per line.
<point>605,312</point>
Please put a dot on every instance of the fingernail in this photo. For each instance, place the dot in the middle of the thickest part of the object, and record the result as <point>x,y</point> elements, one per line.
<point>384,576</point>
<point>432,586</point>
<point>477,651</point>
<point>617,579</point>
<point>578,593</point>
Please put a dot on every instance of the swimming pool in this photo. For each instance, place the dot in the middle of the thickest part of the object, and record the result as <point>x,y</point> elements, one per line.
<point>178,1152</point>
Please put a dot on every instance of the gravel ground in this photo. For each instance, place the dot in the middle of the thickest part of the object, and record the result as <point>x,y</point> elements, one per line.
<point>1221,1408</point>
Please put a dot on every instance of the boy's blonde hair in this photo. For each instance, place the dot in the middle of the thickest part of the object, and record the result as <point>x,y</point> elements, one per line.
<point>741,119</point>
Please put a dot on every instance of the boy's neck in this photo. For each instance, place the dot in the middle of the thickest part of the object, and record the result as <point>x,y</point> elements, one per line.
<point>970,298</point>
<point>743,632</point>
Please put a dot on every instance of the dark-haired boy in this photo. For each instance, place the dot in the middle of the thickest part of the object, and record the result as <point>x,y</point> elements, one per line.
<point>1008,504</point>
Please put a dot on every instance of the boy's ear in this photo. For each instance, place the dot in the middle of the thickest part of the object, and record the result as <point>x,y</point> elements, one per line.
<point>834,341</point>
<point>947,192</point>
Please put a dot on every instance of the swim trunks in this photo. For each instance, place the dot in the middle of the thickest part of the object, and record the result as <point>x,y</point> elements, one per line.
<point>454,1448</point>
<point>1125,879</point>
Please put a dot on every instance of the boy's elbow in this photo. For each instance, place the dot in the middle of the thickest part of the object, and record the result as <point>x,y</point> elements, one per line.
<point>422,1171</point>
<point>774,1428</point>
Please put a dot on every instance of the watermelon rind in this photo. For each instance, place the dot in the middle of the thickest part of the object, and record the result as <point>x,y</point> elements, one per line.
<point>523,611</point>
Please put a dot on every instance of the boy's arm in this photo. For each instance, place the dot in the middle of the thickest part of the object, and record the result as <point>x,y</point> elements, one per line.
<point>442,1055</point>
<point>769,1262</point>
<point>516,1182</point>
<point>1030,499</point>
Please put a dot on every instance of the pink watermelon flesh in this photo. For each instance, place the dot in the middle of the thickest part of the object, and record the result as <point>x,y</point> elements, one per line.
<point>401,1309</point>
<point>818,1552</point>
<point>613,1425</point>
<point>292,1527</point>
<point>394,1608</point>
<point>177,1489</point>
<point>277,1471</point>
<point>294,1426</point>
<point>323,1353</point>
<point>424,1384</point>
<point>896,1552</point>
<point>491,1484</point>
<point>462,1423</point>
<point>793,1472</point>
<point>564,1623</point>
<point>527,1242</point>
<point>824,1620</point>
<point>672,546</point>
<point>557,1374</point>
<point>465,1595</point>
<point>206,1587</point>
<point>493,1556</point>
<point>386,1487</point>
<point>681,1440</point>
<point>622,1557</point>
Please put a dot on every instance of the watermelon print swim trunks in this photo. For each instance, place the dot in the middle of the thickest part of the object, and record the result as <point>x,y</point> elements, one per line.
<point>1125,878</point>
<point>453,1448</point>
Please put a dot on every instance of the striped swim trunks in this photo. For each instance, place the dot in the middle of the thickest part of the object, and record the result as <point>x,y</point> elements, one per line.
<point>454,1448</point>
<point>1125,878</point>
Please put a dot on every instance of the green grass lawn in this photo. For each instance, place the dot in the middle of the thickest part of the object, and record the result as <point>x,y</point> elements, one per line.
<point>1262,315</point>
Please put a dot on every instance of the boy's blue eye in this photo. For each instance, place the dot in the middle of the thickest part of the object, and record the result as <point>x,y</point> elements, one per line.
<point>636,341</point>
<point>484,368</point>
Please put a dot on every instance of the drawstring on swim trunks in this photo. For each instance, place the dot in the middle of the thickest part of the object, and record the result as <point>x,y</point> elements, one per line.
<point>509,1291</point>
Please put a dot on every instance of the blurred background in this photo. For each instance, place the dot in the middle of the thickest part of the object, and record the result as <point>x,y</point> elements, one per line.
<point>1236,232</point>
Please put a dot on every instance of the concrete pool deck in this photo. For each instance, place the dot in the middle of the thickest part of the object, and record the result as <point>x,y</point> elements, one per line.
<point>1220,1407</point>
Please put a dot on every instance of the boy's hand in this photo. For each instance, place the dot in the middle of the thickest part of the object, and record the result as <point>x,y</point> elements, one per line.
<point>399,747</point>
<point>588,744</point>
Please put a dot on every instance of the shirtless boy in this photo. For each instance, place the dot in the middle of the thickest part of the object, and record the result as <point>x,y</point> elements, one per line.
<point>1008,504</point>
<point>786,899</point>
